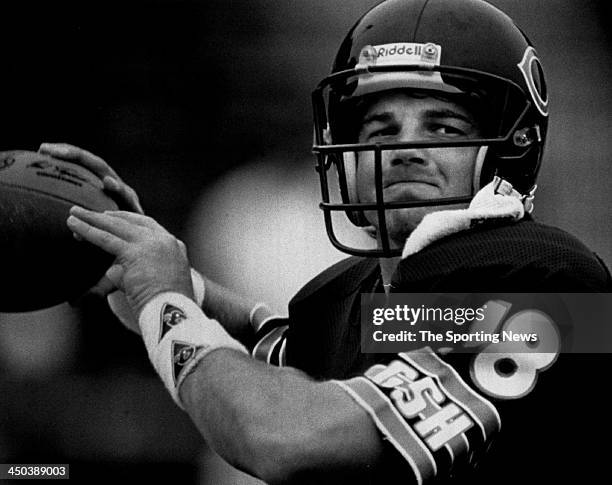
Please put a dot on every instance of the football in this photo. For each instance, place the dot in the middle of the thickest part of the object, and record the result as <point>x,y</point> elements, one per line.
<point>41,263</point>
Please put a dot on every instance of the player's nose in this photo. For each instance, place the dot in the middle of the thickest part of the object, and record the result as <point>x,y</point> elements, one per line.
<point>409,133</point>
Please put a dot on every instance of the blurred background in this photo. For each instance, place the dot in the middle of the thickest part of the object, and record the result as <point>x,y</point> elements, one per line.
<point>204,108</point>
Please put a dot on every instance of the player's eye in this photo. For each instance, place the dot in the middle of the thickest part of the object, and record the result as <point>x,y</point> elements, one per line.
<point>450,129</point>
<point>377,132</point>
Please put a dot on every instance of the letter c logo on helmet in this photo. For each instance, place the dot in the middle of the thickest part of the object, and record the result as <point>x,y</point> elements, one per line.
<point>532,70</point>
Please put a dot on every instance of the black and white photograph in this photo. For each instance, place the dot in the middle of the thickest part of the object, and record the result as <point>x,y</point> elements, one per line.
<point>305,241</point>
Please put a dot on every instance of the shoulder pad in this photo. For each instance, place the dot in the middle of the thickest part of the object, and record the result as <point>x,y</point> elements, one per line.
<point>515,257</point>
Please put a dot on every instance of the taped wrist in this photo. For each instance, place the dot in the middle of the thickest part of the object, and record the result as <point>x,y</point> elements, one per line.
<point>123,311</point>
<point>178,335</point>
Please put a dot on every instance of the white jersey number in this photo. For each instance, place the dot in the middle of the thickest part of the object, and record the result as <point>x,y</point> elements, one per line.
<point>509,369</point>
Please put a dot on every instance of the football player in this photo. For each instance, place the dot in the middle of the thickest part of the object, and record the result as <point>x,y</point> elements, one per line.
<point>431,128</point>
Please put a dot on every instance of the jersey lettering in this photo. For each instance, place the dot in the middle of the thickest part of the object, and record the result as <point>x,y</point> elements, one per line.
<point>437,422</point>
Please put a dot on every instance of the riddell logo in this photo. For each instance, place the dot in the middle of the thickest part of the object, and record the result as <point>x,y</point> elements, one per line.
<point>401,54</point>
<point>400,50</point>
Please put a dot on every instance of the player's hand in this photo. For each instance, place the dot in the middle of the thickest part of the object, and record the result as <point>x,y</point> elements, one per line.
<point>124,195</point>
<point>148,259</point>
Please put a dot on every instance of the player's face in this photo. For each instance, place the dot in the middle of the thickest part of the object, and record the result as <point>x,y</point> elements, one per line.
<point>416,173</point>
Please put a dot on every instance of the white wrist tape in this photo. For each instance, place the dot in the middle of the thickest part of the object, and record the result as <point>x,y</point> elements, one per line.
<point>122,310</point>
<point>178,335</point>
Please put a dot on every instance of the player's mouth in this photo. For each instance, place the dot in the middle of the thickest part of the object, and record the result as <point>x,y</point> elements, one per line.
<point>402,190</point>
<point>408,177</point>
<point>408,182</point>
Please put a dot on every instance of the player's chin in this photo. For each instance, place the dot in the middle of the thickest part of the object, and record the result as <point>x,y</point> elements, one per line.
<point>401,222</point>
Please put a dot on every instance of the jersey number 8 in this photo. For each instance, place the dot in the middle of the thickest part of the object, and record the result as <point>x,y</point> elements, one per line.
<point>509,369</point>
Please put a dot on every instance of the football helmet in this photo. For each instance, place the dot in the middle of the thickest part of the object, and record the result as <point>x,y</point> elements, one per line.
<point>465,48</point>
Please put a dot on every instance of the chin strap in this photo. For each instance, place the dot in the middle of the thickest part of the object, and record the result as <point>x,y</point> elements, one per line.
<point>528,200</point>
<point>498,200</point>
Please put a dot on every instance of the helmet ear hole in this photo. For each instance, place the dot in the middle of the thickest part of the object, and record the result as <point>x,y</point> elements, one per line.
<point>521,169</point>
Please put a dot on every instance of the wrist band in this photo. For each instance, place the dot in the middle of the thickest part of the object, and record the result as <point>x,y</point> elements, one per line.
<point>122,310</point>
<point>178,335</point>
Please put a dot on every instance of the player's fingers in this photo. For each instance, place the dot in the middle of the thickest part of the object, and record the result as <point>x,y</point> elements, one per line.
<point>104,287</point>
<point>87,159</point>
<point>134,218</point>
<point>114,274</point>
<point>125,193</point>
<point>115,226</point>
<point>182,246</point>
<point>125,196</point>
<point>99,237</point>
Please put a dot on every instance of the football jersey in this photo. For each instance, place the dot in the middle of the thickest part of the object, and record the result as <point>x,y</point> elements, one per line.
<point>444,417</point>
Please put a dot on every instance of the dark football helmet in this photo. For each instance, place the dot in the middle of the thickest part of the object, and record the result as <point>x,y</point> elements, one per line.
<point>454,47</point>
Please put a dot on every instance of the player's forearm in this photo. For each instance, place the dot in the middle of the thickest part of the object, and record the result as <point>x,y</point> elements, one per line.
<point>275,423</point>
<point>278,424</point>
<point>229,309</point>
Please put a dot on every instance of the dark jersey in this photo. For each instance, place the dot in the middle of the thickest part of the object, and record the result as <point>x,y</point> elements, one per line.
<point>439,415</point>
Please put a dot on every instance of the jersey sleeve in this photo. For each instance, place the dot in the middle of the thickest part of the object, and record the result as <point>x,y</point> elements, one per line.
<point>426,410</point>
<point>271,341</point>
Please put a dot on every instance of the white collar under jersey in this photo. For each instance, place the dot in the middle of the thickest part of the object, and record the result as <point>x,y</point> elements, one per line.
<point>497,200</point>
